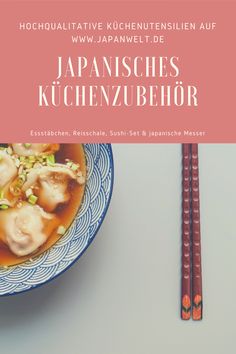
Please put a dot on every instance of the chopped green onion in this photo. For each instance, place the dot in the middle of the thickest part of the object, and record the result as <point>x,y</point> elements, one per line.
<point>22,177</point>
<point>28,165</point>
<point>61,230</point>
<point>22,158</point>
<point>32,158</point>
<point>19,184</point>
<point>69,163</point>
<point>51,159</point>
<point>27,145</point>
<point>74,167</point>
<point>28,193</point>
<point>4,206</point>
<point>32,199</point>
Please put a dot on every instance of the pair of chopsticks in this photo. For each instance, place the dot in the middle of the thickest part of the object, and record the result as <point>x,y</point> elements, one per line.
<point>191,277</point>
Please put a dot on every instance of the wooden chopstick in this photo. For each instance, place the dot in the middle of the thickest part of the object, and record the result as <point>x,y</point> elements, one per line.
<point>191,276</point>
<point>186,230</point>
<point>196,237</point>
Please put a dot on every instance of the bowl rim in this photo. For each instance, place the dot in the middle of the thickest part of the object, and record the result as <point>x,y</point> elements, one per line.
<point>33,287</point>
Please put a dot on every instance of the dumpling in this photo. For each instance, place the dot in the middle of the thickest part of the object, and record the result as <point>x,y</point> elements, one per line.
<point>50,184</point>
<point>26,228</point>
<point>34,149</point>
<point>8,170</point>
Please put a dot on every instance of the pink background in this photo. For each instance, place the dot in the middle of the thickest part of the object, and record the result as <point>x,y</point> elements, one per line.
<point>207,60</point>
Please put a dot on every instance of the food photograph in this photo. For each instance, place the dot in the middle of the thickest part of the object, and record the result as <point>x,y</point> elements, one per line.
<point>162,262</point>
<point>53,200</point>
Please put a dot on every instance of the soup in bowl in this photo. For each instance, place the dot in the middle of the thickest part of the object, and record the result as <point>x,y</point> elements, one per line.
<point>41,190</point>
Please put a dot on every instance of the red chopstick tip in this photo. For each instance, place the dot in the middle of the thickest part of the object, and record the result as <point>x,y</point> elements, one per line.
<point>186,308</point>
<point>197,308</point>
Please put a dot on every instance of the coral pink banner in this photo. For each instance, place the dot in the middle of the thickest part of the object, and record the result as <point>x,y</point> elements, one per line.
<point>117,71</point>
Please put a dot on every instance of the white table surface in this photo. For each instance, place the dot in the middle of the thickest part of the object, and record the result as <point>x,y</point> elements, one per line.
<point>123,295</point>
